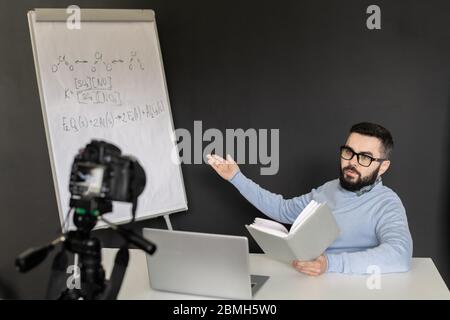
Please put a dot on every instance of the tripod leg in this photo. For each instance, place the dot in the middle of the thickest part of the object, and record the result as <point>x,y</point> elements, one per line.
<point>58,276</point>
<point>118,273</point>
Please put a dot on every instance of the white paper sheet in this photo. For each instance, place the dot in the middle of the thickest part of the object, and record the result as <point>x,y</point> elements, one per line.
<point>106,81</point>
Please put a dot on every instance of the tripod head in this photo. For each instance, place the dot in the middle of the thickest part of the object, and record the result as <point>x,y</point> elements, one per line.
<point>99,175</point>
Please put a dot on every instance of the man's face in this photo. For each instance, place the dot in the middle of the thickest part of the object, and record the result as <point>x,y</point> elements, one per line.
<point>354,176</point>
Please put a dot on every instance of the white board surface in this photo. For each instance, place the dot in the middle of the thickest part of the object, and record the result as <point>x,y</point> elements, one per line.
<point>106,81</point>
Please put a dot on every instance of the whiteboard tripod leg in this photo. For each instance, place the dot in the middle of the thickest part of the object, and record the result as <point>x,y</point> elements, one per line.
<point>168,223</point>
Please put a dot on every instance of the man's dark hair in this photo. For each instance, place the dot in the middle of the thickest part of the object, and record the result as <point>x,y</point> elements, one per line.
<point>377,131</point>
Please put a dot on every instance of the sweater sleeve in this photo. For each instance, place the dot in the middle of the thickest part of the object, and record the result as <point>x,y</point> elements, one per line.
<point>393,254</point>
<point>271,204</point>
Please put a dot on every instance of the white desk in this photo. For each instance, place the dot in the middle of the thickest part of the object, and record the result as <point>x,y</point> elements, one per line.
<point>422,282</point>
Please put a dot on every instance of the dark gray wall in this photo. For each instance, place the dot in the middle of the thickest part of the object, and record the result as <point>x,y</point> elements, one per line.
<point>310,68</point>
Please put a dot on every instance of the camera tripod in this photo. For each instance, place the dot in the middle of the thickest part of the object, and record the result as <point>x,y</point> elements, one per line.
<point>92,283</point>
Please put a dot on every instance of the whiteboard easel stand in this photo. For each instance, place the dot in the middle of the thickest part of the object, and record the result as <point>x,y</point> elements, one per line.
<point>123,15</point>
<point>168,223</point>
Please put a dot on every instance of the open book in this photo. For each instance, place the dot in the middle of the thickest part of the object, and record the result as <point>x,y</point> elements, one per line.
<point>314,230</point>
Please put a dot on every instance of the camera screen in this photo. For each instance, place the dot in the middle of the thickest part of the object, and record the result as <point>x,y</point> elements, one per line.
<point>89,179</point>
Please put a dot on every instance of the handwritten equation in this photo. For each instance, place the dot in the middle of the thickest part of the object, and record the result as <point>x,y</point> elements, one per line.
<point>111,119</point>
<point>98,63</point>
<point>93,90</point>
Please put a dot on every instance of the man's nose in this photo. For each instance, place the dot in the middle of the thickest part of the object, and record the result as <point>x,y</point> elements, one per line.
<point>354,161</point>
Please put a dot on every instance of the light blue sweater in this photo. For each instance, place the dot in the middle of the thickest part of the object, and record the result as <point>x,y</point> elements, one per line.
<point>373,224</point>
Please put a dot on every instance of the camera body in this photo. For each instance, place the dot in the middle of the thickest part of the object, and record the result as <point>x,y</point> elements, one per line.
<point>101,172</point>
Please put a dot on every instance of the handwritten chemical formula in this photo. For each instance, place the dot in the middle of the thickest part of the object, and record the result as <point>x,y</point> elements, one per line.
<point>111,119</point>
<point>93,90</point>
<point>98,63</point>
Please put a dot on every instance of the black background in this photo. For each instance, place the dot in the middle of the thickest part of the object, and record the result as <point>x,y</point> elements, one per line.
<point>310,68</point>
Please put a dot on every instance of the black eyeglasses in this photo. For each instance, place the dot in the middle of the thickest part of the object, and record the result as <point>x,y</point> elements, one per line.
<point>365,160</point>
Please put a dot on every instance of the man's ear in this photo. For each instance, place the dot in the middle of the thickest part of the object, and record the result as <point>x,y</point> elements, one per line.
<point>384,166</point>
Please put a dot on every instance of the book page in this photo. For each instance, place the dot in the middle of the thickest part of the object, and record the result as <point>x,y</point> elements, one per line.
<point>270,224</point>
<point>304,215</point>
<point>269,230</point>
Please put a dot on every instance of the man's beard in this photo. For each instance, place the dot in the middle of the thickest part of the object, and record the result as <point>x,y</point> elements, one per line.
<point>359,182</point>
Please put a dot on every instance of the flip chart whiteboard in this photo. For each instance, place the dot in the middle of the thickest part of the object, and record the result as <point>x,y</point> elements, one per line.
<point>106,81</point>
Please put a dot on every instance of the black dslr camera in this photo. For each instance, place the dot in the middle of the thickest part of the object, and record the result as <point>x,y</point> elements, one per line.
<point>100,174</point>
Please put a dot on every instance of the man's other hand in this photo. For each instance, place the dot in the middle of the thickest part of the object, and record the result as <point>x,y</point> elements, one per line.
<point>225,168</point>
<point>312,268</point>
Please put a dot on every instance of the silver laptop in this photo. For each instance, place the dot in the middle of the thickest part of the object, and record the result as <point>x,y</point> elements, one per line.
<point>201,264</point>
